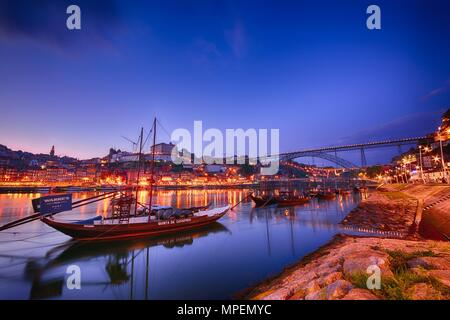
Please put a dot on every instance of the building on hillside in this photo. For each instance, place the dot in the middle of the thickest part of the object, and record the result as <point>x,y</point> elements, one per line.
<point>123,156</point>
<point>215,168</point>
<point>55,174</point>
<point>163,152</point>
<point>162,148</point>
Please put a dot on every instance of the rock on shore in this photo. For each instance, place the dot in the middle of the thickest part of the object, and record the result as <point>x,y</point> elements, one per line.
<point>399,209</point>
<point>384,211</point>
<point>409,270</point>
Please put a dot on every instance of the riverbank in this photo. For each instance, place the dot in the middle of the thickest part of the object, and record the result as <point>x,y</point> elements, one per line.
<point>411,267</point>
<point>107,188</point>
<point>390,211</point>
<point>409,270</point>
<point>415,211</point>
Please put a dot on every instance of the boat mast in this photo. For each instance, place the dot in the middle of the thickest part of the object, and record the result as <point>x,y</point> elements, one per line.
<point>139,169</point>
<point>152,168</point>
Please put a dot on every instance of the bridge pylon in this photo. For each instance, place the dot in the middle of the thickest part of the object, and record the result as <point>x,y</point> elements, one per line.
<point>363,158</point>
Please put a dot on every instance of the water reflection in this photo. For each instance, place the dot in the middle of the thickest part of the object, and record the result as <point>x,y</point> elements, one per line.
<point>118,259</point>
<point>247,245</point>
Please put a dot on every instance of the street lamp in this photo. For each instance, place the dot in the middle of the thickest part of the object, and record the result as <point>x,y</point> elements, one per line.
<point>421,165</point>
<point>403,174</point>
<point>444,170</point>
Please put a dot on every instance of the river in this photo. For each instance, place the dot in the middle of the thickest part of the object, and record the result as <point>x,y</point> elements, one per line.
<point>244,247</point>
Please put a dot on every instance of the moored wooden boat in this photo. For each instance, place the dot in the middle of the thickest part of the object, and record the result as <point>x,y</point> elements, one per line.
<point>360,189</point>
<point>312,193</point>
<point>128,221</point>
<point>326,195</point>
<point>343,192</point>
<point>261,201</point>
<point>112,229</point>
<point>291,201</point>
<point>171,211</point>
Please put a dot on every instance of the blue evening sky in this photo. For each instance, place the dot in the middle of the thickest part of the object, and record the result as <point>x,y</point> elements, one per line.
<point>310,68</point>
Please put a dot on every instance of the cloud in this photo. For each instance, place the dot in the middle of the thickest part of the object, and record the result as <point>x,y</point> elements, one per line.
<point>437,91</point>
<point>413,125</point>
<point>233,45</point>
<point>44,21</point>
<point>204,51</point>
<point>237,39</point>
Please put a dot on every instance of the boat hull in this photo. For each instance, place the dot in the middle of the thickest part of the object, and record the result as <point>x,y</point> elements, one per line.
<point>326,196</point>
<point>114,231</point>
<point>292,202</point>
<point>262,201</point>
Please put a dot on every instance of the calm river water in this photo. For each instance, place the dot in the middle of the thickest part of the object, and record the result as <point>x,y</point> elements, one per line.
<point>246,246</point>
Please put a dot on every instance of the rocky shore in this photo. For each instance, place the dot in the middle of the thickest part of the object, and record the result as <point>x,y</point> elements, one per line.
<point>409,268</point>
<point>384,211</point>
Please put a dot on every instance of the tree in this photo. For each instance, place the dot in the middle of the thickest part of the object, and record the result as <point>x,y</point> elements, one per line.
<point>446,115</point>
<point>374,171</point>
<point>247,170</point>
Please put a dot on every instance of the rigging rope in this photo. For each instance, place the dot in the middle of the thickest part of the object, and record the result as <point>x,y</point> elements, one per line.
<point>75,205</point>
<point>164,129</point>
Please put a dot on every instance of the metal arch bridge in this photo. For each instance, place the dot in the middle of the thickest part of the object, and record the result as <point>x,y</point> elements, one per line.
<point>318,154</point>
<point>324,153</point>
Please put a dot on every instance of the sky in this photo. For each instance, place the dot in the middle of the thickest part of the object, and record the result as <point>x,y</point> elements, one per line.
<point>309,68</point>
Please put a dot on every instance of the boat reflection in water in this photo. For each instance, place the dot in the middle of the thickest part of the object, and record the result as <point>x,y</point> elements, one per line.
<point>247,245</point>
<point>119,258</point>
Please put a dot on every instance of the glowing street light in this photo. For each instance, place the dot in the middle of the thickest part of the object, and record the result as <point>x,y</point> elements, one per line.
<point>444,170</point>
<point>421,165</point>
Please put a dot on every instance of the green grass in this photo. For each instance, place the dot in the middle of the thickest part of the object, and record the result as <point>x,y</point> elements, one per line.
<point>396,287</point>
<point>444,290</point>
<point>399,259</point>
<point>359,280</point>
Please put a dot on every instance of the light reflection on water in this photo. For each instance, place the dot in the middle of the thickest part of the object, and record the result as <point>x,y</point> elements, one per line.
<point>246,246</point>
